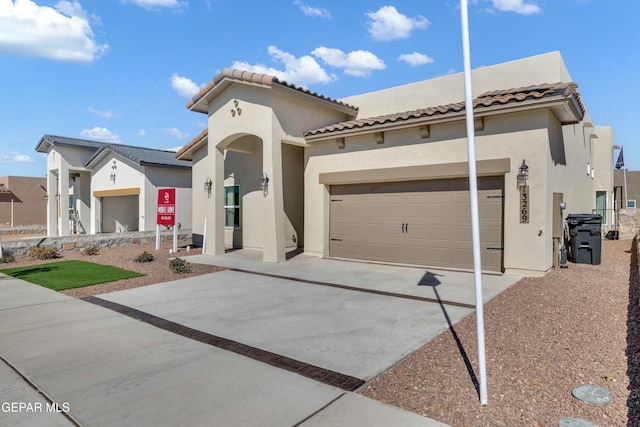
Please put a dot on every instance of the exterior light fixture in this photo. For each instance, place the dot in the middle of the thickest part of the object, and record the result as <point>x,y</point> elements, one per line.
<point>58,197</point>
<point>207,185</point>
<point>264,182</point>
<point>46,197</point>
<point>112,177</point>
<point>523,174</point>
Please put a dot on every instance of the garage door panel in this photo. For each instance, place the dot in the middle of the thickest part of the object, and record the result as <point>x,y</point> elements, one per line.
<point>438,216</point>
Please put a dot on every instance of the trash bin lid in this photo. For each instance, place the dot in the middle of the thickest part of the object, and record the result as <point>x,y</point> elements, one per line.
<point>584,218</point>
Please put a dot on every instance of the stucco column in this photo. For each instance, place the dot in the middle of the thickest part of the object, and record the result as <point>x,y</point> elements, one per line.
<point>273,209</point>
<point>52,213</point>
<point>63,203</point>
<point>214,206</point>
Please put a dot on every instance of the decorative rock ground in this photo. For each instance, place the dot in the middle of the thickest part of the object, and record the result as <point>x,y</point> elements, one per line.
<point>592,394</point>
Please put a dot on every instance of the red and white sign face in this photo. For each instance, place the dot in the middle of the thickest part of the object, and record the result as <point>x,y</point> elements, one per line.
<point>166,206</point>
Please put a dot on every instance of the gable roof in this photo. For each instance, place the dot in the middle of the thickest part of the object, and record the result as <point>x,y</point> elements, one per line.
<point>48,140</point>
<point>141,156</point>
<point>562,98</point>
<point>227,76</point>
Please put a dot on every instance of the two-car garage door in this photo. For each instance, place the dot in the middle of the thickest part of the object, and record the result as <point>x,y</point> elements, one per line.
<point>424,222</point>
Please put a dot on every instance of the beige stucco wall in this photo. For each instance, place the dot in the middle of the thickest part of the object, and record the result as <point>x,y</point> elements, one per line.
<point>544,68</point>
<point>532,136</point>
<point>254,130</point>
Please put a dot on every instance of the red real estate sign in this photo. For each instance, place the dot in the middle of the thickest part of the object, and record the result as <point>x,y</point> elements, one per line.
<point>166,206</point>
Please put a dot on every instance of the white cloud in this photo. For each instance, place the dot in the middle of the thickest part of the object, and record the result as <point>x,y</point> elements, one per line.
<point>101,134</point>
<point>389,24</point>
<point>61,33</point>
<point>184,86</point>
<point>151,4</point>
<point>415,59</point>
<point>301,71</point>
<point>142,132</point>
<point>175,133</point>
<point>201,124</point>
<point>359,63</point>
<point>312,11</point>
<point>15,157</point>
<point>517,6</point>
<point>106,114</point>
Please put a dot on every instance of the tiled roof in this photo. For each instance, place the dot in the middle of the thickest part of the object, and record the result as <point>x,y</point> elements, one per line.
<point>257,78</point>
<point>144,156</point>
<point>182,153</point>
<point>487,99</point>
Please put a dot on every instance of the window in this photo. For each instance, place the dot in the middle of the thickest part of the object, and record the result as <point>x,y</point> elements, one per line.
<point>631,204</point>
<point>232,206</point>
<point>601,205</point>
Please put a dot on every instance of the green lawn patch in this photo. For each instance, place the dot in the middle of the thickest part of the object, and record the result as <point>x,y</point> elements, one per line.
<point>70,274</point>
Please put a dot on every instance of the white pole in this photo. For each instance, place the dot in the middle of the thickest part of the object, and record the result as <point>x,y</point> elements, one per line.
<point>175,223</point>
<point>473,190</point>
<point>157,237</point>
<point>12,212</point>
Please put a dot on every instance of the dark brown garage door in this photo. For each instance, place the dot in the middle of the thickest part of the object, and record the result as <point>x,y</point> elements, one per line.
<point>424,223</point>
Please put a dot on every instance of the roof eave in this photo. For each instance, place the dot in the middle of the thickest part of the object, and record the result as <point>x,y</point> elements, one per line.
<point>187,152</point>
<point>566,109</point>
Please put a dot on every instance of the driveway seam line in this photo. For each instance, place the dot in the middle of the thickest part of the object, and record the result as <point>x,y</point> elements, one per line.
<point>316,373</point>
<point>353,288</point>
<point>40,391</point>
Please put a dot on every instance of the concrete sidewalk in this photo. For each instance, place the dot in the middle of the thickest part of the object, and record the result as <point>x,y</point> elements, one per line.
<point>111,370</point>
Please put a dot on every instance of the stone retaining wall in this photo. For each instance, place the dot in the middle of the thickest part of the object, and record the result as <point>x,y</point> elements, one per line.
<point>78,242</point>
<point>628,223</point>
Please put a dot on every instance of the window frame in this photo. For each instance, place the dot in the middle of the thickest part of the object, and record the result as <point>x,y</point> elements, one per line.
<point>236,208</point>
<point>634,204</point>
<point>602,210</point>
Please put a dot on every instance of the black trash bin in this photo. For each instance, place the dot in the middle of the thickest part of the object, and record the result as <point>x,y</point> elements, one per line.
<point>585,238</point>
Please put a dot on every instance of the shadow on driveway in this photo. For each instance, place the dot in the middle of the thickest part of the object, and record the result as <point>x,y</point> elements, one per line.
<point>431,279</point>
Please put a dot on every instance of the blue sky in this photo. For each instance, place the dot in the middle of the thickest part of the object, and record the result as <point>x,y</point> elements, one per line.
<point>122,70</point>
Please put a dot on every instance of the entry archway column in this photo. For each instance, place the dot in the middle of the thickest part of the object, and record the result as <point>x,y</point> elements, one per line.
<point>273,211</point>
<point>214,212</point>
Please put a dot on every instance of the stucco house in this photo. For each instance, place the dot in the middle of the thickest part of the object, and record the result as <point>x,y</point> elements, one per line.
<point>96,187</point>
<point>383,176</point>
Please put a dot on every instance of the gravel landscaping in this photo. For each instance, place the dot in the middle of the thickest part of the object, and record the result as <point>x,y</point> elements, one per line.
<point>545,336</point>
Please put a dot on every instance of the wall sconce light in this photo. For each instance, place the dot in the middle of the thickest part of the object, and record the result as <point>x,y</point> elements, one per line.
<point>523,174</point>
<point>264,182</point>
<point>207,185</point>
<point>58,197</point>
<point>46,197</point>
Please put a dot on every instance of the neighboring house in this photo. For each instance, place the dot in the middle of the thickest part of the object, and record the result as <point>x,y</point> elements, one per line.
<point>631,197</point>
<point>96,187</point>
<point>22,201</point>
<point>383,176</point>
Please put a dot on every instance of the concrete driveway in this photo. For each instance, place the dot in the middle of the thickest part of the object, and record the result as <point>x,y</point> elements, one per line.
<point>264,344</point>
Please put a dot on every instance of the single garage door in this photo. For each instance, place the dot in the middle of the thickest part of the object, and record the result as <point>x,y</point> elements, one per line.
<point>423,222</point>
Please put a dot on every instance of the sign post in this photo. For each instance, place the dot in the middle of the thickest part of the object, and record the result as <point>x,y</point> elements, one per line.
<point>166,214</point>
